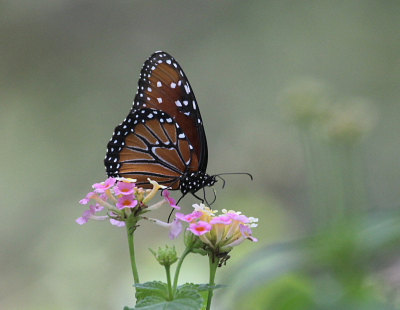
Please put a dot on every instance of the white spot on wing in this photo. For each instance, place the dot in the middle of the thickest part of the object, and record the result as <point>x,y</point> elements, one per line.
<point>187,88</point>
<point>159,84</point>
<point>194,105</point>
<point>159,100</point>
<point>173,85</point>
<point>178,103</point>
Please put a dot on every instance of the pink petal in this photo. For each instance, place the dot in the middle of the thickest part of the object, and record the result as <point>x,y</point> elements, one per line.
<point>189,217</point>
<point>127,201</point>
<point>246,232</point>
<point>100,188</point>
<point>238,217</point>
<point>171,201</point>
<point>117,223</point>
<point>221,220</point>
<point>175,230</point>
<point>124,188</point>
<point>199,228</point>
<point>81,220</point>
<point>87,198</point>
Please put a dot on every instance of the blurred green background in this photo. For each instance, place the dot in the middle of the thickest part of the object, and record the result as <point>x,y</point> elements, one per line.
<point>304,95</point>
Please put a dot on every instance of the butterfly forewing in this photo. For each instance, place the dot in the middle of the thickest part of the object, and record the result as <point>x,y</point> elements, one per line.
<point>164,86</point>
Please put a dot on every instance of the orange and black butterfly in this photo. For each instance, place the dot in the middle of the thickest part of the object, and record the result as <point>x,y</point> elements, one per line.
<point>162,138</point>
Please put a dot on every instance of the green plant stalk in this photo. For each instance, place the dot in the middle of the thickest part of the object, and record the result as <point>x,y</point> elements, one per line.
<point>178,267</point>
<point>130,229</point>
<point>337,185</point>
<point>168,272</point>
<point>214,261</point>
<point>318,207</point>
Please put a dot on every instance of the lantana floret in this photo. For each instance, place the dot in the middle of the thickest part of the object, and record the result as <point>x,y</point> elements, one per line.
<point>174,228</point>
<point>125,201</point>
<point>171,201</point>
<point>89,214</point>
<point>199,228</point>
<point>189,218</point>
<point>124,188</point>
<point>103,186</point>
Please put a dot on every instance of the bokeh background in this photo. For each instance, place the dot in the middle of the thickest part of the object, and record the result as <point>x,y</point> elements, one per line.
<point>304,95</point>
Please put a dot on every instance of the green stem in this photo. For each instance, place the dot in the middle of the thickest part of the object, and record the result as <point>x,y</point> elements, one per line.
<point>318,209</point>
<point>179,265</point>
<point>168,272</point>
<point>130,229</point>
<point>213,269</point>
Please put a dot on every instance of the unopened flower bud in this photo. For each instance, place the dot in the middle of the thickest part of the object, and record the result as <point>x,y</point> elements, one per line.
<point>166,257</point>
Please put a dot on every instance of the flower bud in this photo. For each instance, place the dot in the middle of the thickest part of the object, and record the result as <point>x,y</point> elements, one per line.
<point>166,257</point>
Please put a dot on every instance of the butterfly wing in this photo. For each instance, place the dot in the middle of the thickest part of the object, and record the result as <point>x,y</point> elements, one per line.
<point>150,144</point>
<point>164,86</point>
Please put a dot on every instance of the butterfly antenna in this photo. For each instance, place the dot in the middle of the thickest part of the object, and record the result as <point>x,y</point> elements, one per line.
<point>219,175</point>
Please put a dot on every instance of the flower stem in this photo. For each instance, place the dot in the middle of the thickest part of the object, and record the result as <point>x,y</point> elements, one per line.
<point>213,269</point>
<point>130,229</point>
<point>179,265</point>
<point>167,270</point>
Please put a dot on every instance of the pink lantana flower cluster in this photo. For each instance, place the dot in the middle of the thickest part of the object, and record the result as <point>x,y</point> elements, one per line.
<point>219,233</point>
<point>123,200</point>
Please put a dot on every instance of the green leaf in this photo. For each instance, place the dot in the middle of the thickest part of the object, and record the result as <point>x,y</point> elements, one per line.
<point>127,308</point>
<point>185,299</point>
<point>202,289</point>
<point>154,288</point>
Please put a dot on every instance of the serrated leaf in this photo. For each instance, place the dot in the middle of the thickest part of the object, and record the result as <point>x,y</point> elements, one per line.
<point>200,287</point>
<point>154,288</point>
<point>184,300</point>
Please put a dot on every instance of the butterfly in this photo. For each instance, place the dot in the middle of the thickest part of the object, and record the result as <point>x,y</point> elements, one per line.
<point>163,137</point>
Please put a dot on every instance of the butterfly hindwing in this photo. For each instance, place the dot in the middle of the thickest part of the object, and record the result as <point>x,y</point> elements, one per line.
<point>150,144</point>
